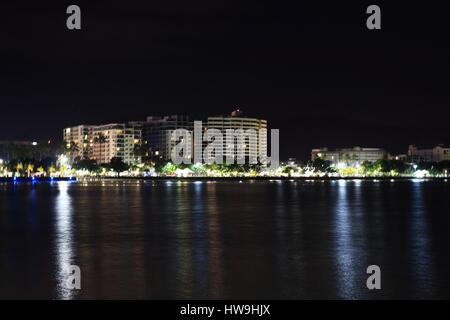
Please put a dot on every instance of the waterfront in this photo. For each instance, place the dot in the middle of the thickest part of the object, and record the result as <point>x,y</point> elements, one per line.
<point>226,239</point>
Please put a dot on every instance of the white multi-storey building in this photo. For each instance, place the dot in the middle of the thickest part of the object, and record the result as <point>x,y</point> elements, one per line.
<point>253,146</point>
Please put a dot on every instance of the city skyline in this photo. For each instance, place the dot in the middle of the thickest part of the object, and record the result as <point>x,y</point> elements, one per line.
<point>209,120</point>
<point>315,72</point>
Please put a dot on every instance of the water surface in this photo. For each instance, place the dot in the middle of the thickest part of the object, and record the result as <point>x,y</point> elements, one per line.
<point>225,240</point>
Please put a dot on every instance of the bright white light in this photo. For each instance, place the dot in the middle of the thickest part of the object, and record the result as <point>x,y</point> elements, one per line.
<point>34,143</point>
<point>183,172</point>
<point>420,173</point>
<point>64,242</point>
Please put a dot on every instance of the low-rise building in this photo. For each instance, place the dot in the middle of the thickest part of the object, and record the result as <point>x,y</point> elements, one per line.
<point>344,157</point>
<point>11,149</point>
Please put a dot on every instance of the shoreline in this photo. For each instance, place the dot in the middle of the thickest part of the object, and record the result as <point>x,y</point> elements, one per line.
<point>167,178</point>
<point>256,178</point>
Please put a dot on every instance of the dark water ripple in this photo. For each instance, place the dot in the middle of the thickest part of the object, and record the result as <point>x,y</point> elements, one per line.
<point>216,240</point>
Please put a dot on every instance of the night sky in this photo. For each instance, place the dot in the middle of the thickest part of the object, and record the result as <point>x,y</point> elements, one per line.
<point>313,71</point>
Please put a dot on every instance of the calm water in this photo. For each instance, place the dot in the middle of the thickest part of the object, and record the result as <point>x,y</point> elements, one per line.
<point>214,240</point>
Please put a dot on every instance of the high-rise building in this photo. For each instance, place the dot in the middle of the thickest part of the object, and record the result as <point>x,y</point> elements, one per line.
<point>343,157</point>
<point>252,146</point>
<point>103,142</point>
<point>157,131</point>
<point>115,140</point>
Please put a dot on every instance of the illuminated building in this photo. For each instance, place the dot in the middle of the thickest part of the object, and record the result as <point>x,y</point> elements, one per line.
<point>115,140</point>
<point>82,137</point>
<point>103,142</point>
<point>344,157</point>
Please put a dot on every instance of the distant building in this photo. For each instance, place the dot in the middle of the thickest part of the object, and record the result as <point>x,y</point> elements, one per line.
<point>8,148</point>
<point>436,154</point>
<point>344,157</point>
<point>237,120</point>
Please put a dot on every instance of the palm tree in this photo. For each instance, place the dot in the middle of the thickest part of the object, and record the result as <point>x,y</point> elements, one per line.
<point>19,168</point>
<point>72,149</point>
<point>30,168</point>
<point>101,139</point>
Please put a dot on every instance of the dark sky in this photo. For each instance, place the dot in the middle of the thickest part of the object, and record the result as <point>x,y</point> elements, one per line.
<point>313,71</point>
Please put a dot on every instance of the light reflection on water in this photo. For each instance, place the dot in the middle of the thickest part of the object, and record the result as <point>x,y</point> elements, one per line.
<point>344,253</point>
<point>63,240</point>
